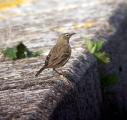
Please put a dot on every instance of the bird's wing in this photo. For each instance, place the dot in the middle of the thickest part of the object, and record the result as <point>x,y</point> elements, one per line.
<point>58,56</point>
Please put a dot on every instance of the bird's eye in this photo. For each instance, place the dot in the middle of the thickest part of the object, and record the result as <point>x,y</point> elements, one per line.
<point>67,35</point>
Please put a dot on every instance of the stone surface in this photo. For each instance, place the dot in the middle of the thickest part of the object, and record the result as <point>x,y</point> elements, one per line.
<point>37,24</point>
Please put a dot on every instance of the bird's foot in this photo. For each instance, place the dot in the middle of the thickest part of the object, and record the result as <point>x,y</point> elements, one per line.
<point>57,72</point>
<point>63,73</point>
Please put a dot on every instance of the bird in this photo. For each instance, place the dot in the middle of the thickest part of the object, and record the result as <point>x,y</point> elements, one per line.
<point>59,54</point>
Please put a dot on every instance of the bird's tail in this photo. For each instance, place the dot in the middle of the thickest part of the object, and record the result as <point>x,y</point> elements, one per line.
<point>38,72</point>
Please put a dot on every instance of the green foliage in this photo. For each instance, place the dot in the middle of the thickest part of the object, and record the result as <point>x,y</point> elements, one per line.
<point>19,52</point>
<point>95,48</point>
<point>102,57</point>
<point>35,54</point>
<point>109,80</point>
<point>10,53</point>
<point>22,51</point>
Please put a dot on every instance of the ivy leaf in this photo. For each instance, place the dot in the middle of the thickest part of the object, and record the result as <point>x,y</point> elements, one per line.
<point>102,57</point>
<point>35,54</point>
<point>24,52</point>
<point>20,51</point>
<point>94,47</point>
<point>10,53</point>
<point>89,45</point>
<point>109,80</point>
<point>99,45</point>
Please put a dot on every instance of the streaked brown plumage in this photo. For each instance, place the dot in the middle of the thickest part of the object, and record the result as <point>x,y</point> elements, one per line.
<point>59,54</point>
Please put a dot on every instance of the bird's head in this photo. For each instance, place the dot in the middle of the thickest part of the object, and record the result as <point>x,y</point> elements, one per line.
<point>65,36</point>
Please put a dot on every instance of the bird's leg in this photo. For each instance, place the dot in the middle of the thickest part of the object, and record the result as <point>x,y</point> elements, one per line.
<point>61,74</point>
<point>57,71</point>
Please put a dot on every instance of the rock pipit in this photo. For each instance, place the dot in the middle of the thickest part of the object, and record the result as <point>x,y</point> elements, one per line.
<point>59,54</point>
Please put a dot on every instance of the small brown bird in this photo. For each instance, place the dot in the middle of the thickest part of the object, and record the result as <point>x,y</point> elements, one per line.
<point>59,54</point>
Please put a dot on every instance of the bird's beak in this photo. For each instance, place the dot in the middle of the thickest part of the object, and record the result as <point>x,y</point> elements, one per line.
<point>72,34</point>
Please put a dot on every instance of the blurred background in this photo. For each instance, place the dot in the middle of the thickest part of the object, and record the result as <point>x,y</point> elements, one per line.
<point>37,21</point>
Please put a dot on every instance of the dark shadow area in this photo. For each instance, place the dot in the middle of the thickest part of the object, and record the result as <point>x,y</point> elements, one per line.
<point>82,102</point>
<point>67,108</point>
<point>115,97</point>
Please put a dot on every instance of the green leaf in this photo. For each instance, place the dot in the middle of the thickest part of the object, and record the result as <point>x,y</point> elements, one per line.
<point>109,80</point>
<point>20,51</point>
<point>35,54</point>
<point>94,46</point>
<point>99,45</point>
<point>24,52</point>
<point>10,53</point>
<point>102,57</point>
<point>93,50</point>
<point>89,45</point>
